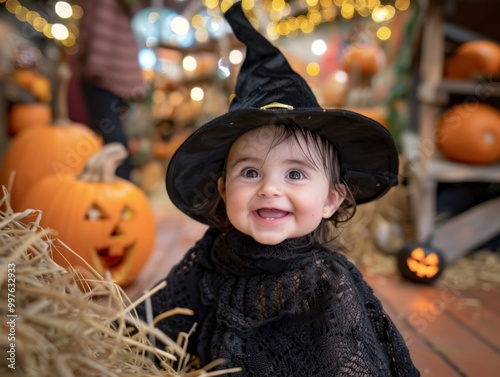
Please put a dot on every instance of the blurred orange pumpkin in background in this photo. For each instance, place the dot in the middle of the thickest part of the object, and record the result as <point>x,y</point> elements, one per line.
<point>336,89</point>
<point>34,82</point>
<point>377,113</point>
<point>470,133</point>
<point>24,77</point>
<point>479,57</point>
<point>40,151</point>
<point>363,58</point>
<point>25,115</point>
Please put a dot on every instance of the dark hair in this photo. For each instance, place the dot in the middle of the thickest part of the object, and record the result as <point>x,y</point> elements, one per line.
<point>328,230</point>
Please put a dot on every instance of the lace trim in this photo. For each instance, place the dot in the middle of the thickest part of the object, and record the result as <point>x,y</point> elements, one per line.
<point>253,284</point>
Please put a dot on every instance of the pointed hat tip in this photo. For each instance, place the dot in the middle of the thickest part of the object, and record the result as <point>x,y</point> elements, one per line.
<point>265,76</point>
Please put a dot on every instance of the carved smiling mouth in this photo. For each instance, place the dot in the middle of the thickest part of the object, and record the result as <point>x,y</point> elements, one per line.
<point>271,213</point>
<point>112,261</point>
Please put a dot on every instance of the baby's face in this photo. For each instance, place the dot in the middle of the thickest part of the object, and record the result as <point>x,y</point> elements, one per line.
<point>275,194</point>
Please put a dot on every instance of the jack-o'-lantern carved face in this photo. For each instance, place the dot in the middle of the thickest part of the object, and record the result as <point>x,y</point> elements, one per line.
<point>420,263</point>
<point>423,265</point>
<point>108,224</point>
<point>117,238</point>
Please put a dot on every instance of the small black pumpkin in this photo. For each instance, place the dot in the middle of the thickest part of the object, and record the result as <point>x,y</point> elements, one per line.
<point>420,263</point>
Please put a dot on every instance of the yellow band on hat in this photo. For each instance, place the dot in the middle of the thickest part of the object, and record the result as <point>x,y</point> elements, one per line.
<point>279,105</point>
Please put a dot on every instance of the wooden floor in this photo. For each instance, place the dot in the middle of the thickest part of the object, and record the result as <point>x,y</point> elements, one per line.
<point>449,331</point>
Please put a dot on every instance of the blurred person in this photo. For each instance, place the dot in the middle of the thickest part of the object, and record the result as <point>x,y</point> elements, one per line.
<point>106,68</point>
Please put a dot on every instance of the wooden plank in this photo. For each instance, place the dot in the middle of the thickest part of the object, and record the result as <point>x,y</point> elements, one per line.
<point>431,66</point>
<point>426,360</point>
<point>479,320</point>
<point>423,200</point>
<point>469,229</point>
<point>444,170</point>
<point>176,233</point>
<point>482,85</point>
<point>427,311</point>
<point>488,299</point>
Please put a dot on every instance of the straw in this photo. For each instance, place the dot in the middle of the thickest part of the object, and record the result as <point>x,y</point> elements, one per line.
<point>479,269</point>
<point>56,322</point>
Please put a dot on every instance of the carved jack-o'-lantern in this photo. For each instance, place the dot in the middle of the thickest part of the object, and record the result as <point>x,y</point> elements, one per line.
<point>106,220</point>
<point>420,263</point>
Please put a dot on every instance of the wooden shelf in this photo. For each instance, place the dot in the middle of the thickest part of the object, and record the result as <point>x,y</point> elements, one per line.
<point>428,167</point>
<point>438,93</point>
<point>482,86</point>
<point>441,169</point>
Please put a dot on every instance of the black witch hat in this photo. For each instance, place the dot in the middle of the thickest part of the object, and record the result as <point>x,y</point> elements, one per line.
<point>268,91</point>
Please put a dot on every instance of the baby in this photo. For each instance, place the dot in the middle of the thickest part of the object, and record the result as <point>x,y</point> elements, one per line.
<point>274,178</point>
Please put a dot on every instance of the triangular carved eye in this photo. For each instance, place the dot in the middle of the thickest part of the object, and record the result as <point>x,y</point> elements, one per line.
<point>95,213</point>
<point>126,214</point>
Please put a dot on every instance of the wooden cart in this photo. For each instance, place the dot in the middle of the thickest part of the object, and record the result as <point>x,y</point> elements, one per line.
<point>462,233</point>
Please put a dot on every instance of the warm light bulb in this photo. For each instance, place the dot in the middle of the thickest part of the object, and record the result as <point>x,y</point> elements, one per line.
<point>197,93</point>
<point>235,57</point>
<point>313,69</point>
<point>59,31</point>
<point>63,9</point>
<point>180,25</point>
<point>189,63</point>
<point>318,47</point>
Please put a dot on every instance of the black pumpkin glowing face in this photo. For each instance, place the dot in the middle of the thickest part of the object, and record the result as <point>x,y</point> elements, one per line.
<point>420,263</point>
<point>423,265</point>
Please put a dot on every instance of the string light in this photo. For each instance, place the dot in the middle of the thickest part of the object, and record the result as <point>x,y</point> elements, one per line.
<point>307,15</point>
<point>283,20</point>
<point>62,34</point>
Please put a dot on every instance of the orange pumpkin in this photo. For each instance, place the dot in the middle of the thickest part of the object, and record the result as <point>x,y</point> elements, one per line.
<point>151,175</point>
<point>25,115</point>
<point>40,151</point>
<point>476,57</point>
<point>336,89</point>
<point>376,113</point>
<point>106,220</point>
<point>364,58</point>
<point>166,149</point>
<point>470,133</point>
<point>41,88</point>
<point>30,80</point>
<point>24,77</point>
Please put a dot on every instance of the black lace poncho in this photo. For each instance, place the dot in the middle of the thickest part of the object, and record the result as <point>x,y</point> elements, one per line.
<point>280,310</point>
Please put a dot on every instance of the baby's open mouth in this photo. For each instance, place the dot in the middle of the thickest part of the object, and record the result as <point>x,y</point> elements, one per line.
<point>271,213</point>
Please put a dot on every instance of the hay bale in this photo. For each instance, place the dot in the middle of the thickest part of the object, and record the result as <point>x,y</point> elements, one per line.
<point>478,269</point>
<point>58,323</point>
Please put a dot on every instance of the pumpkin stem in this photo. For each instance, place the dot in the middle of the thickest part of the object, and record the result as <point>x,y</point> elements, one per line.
<point>101,167</point>
<point>92,168</point>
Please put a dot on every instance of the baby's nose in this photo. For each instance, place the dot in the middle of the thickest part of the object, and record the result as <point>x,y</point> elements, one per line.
<point>270,187</point>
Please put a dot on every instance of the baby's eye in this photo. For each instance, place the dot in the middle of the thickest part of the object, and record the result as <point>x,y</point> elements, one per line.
<point>295,174</point>
<point>250,173</point>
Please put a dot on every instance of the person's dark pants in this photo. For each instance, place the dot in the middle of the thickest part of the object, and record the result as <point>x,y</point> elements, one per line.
<point>105,112</point>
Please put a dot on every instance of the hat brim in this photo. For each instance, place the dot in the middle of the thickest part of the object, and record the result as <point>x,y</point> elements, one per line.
<point>366,150</point>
